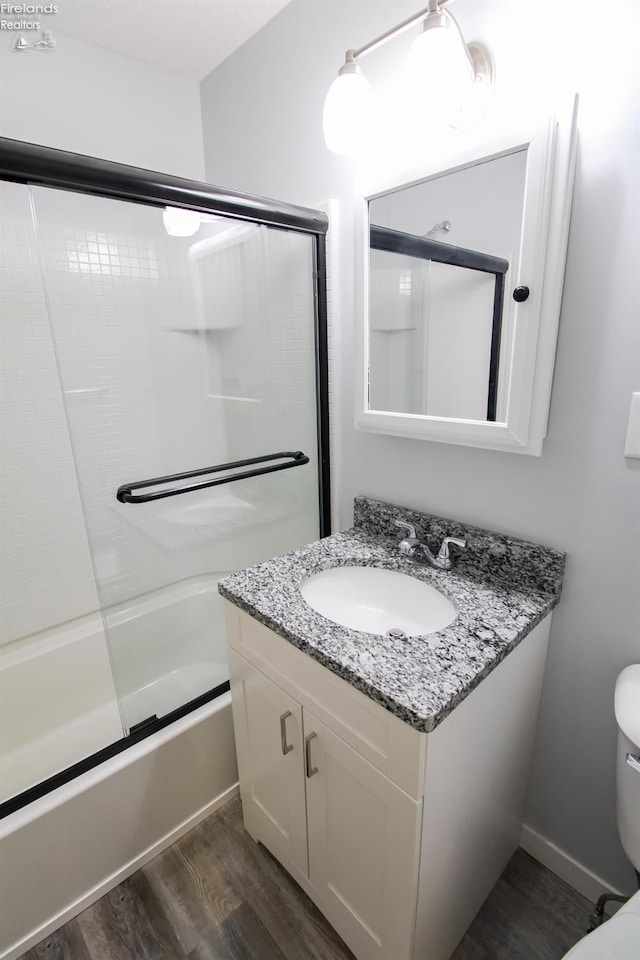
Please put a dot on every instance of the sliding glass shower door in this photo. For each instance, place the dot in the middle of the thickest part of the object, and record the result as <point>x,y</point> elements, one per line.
<point>183,360</point>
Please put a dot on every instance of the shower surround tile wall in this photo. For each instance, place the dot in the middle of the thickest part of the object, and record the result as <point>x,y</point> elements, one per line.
<point>176,388</point>
<point>46,573</point>
<point>147,358</point>
<point>165,362</point>
<point>45,562</point>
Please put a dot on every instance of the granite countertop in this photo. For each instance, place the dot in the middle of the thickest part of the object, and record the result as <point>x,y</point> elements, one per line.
<point>502,588</point>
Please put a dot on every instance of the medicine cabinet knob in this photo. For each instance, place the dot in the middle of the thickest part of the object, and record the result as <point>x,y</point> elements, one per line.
<point>520,294</point>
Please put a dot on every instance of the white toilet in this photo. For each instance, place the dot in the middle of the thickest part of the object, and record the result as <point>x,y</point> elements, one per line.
<point>619,938</point>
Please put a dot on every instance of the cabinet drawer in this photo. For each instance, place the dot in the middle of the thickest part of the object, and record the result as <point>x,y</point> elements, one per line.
<point>390,745</point>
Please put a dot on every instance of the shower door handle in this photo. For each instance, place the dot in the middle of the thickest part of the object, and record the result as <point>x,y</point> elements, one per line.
<point>286,747</point>
<point>125,494</point>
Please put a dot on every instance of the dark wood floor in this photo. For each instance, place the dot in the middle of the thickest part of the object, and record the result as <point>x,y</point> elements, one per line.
<point>216,895</point>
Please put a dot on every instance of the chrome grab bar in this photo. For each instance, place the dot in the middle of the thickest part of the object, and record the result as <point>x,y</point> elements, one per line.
<point>125,495</point>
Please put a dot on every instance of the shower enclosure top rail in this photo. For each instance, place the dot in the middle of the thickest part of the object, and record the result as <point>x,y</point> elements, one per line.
<point>31,163</point>
<point>125,495</point>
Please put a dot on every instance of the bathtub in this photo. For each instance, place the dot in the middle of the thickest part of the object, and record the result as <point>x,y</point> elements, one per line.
<point>58,699</point>
<point>66,849</point>
<point>167,647</point>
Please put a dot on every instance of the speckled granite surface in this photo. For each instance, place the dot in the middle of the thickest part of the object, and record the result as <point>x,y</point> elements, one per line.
<point>501,587</point>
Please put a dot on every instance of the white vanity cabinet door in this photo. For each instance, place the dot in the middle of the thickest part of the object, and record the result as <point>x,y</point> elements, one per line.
<point>268,728</point>
<point>364,836</point>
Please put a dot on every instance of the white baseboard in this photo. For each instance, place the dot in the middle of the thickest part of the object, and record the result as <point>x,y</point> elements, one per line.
<point>115,878</point>
<point>564,866</point>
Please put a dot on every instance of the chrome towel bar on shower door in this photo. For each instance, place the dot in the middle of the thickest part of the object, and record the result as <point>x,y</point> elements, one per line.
<point>125,494</point>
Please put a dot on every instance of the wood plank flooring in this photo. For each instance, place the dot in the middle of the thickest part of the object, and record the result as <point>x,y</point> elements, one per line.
<point>217,895</point>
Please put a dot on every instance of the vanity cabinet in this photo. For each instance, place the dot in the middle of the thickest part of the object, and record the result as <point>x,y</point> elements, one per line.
<point>326,813</point>
<point>398,836</point>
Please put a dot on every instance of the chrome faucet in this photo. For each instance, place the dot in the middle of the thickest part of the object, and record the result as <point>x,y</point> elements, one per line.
<point>412,547</point>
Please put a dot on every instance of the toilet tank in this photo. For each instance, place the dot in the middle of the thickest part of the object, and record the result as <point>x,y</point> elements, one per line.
<point>627,709</point>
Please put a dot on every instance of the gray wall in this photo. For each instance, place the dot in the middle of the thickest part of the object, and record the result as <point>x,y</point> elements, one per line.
<point>86,99</point>
<point>262,127</point>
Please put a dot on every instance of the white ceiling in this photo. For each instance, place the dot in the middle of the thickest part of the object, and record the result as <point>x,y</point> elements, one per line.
<point>186,36</point>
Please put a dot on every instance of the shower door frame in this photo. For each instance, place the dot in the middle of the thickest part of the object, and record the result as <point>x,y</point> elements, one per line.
<point>34,165</point>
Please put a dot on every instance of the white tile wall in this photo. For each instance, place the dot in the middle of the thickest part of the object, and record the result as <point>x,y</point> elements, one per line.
<point>138,360</point>
<point>140,342</point>
<point>273,358</point>
<point>46,576</point>
<point>136,363</point>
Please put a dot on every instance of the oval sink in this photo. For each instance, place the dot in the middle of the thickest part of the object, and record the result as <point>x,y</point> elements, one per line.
<point>378,601</point>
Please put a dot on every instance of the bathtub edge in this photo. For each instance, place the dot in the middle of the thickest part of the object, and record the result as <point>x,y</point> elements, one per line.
<point>184,793</point>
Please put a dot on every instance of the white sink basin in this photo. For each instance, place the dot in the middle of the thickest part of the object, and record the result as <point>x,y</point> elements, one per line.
<point>377,601</point>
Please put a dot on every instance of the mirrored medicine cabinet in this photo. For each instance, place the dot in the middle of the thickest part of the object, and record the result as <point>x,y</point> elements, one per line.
<point>460,273</point>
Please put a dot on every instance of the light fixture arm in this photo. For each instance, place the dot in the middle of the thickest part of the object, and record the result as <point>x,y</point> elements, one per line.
<point>434,6</point>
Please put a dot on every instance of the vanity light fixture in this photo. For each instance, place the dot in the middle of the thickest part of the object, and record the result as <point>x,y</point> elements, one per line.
<point>454,79</point>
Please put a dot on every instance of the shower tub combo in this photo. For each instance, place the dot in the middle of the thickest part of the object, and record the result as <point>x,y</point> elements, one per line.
<point>168,352</point>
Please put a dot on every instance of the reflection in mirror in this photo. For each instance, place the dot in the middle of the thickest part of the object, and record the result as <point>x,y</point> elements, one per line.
<point>448,303</point>
<point>440,327</point>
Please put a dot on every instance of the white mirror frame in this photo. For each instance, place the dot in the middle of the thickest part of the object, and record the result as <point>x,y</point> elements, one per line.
<point>551,156</point>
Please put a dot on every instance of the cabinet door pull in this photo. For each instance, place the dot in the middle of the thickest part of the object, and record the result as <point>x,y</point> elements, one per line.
<point>310,771</point>
<point>286,747</point>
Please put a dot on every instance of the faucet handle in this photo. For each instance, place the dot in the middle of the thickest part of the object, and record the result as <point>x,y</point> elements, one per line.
<point>443,553</point>
<point>409,527</point>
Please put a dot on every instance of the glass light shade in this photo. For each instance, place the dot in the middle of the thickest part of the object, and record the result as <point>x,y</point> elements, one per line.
<point>347,120</point>
<point>439,73</point>
<point>179,222</point>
